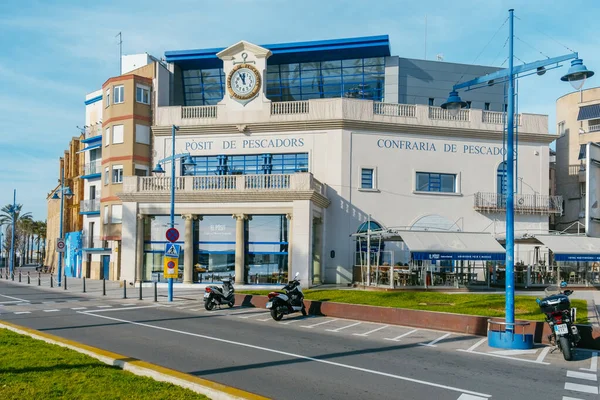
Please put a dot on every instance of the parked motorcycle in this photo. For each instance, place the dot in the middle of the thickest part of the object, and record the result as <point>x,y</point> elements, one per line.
<point>291,301</point>
<point>215,295</point>
<point>557,308</point>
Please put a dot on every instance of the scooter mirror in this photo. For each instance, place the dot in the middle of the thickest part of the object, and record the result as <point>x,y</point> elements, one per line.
<point>297,274</point>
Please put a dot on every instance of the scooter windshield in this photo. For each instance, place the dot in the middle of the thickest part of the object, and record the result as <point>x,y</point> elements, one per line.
<point>552,289</point>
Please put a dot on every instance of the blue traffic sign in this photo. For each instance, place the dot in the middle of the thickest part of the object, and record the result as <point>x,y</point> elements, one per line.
<point>172,235</point>
<point>172,250</point>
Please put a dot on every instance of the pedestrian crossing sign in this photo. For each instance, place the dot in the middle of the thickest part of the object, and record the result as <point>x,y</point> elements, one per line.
<point>172,250</point>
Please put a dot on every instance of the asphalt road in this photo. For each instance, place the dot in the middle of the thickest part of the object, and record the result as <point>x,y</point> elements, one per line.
<point>301,358</point>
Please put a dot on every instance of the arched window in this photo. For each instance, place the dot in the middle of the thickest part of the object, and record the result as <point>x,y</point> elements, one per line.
<point>373,226</point>
<point>501,178</point>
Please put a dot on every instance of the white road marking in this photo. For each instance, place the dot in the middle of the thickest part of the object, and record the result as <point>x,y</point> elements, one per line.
<point>53,310</point>
<point>570,398</point>
<point>507,357</point>
<point>263,320</point>
<point>127,304</point>
<point>543,354</point>
<point>514,352</point>
<point>465,396</point>
<point>594,364</point>
<point>433,342</point>
<point>476,345</point>
<point>48,302</point>
<point>343,327</point>
<point>291,321</point>
<point>320,323</point>
<point>372,331</point>
<point>104,306</point>
<point>576,387</point>
<point>397,338</point>
<point>197,309</point>
<point>23,312</point>
<point>240,312</point>
<point>299,356</point>
<point>14,298</point>
<point>252,315</point>
<point>79,308</point>
<point>11,302</point>
<point>117,309</point>
<point>582,375</point>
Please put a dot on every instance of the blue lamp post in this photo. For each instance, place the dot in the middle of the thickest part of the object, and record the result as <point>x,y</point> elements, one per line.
<point>158,170</point>
<point>65,191</point>
<point>576,75</point>
<point>13,210</point>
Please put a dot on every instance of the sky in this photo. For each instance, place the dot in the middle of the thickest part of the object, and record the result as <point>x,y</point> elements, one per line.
<point>54,52</point>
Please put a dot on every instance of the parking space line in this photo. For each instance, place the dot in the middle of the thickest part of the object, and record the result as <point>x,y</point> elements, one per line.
<point>117,309</point>
<point>543,354</point>
<point>239,312</point>
<point>594,363</point>
<point>265,319</point>
<point>53,310</point>
<point>465,396</point>
<point>22,312</point>
<point>127,304</point>
<point>344,327</point>
<point>14,298</point>
<point>104,306</point>
<point>433,342</point>
<point>254,314</point>
<point>576,387</point>
<point>582,375</point>
<point>320,323</point>
<point>570,398</point>
<point>476,345</point>
<point>48,302</point>
<point>291,321</point>
<point>372,331</point>
<point>79,308</point>
<point>507,357</point>
<point>397,338</point>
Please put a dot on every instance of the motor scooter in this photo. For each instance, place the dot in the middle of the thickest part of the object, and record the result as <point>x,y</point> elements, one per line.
<point>291,301</point>
<point>559,316</point>
<point>214,295</point>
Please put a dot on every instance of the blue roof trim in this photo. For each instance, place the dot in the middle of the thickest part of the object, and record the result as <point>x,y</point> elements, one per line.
<point>89,212</point>
<point>321,50</point>
<point>93,146</point>
<point>589,112</point>
<point>92,176</point>
<point>458,256</point>
<point>97,138</point>
<point>93,100</point>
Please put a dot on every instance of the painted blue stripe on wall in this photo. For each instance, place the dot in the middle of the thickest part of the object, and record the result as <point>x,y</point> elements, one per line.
<point>93,100</point>
<point>457,256</point>
<point>577,257</point>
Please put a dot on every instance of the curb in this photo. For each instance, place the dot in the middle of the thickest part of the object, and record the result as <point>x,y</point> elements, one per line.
<point>214,390</point>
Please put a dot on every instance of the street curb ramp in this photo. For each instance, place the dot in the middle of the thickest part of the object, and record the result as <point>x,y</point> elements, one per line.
<point>213,390</point>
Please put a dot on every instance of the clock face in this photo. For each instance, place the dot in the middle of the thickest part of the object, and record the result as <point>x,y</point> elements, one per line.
<point>243,82</point>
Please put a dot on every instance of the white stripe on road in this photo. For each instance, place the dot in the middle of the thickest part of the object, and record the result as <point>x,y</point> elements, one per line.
<point>240,312</point>
<point>465,396</point>
<point>576,387</point>
<point>119,309</point>
<point>397,338</point>
<point>127,304</point>
<point>582,375</point>
<point>265,319</point>
<point>543,354</point>
<point>343,327</point>
<point>476,345</point>
<point>23,312</point>
<point>506,357</point>
<point>433,342</point>
<point>104,306</point>
<point>299,356</point>
<point>291,321</point>
<point>13,302</point>
<point>594,364</point>
<point>48,302</point>
<point>368,333</point>
<point>14,298</point>
<point>320,323</point>
<point>254,314</point>
<point>54,310</point>
<point>79,308</point>
<point>571,398</point>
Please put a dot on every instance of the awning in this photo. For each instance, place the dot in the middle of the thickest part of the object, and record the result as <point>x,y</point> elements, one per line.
<point>589,112</point>
<point>436,245</point>
<point>93,146</point>
<point>572,248</point>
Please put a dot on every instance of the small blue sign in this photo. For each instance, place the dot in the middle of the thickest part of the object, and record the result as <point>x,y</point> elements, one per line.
<point>172,250</point>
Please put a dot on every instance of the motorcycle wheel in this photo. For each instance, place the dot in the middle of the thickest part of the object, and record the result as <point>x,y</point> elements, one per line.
<point>209,305</point>
<point>303,311</point>
<point>565,347</point>
<point>275,314</point>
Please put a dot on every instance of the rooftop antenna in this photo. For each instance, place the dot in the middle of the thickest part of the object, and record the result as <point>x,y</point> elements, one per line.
<point>425,36</point>
<point>440,57</point>
<point>120,52</point>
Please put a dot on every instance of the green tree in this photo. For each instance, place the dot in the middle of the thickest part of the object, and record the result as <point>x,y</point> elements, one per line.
<point>7,215</point>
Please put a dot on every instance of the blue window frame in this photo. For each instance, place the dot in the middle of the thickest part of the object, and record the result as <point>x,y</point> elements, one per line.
<point>434,182</point>
<point>366,178</point>
<point>501,179</point>
<point>203,86</point>
<point>248,164</point>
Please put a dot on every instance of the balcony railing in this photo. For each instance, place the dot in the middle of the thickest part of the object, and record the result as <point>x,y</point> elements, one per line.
<point>289,107</point>
<point>199,112</point>
<point>499,118</point>
<point>93,131</point>
<point>524,203</point>
<point>442,114</point>
<point>94,167</point>
<point>594,128</point>
<point>92,242</point>
<point>89,205</point>
<point>395,110</point>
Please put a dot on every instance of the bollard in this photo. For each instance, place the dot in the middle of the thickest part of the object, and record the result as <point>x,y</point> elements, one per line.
<point>155,292</point>
<point>28,278</point>
<point>65,282</point>
<point>19,276</point>
<point>83,284</point>
<point>39,279</point>
<point>124,289</point>
<point>140,290</point>
<point>51,281</point>
<point>12,276</point>
<point>103,287</point>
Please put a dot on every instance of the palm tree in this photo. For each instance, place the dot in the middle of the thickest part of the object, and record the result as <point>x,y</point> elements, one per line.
<point>7,215</point>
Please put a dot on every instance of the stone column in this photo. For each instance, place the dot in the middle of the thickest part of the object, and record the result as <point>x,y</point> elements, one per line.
<point>289,238</point>
<point>317,261</point>
<point>240,255</point>
<point>188,249</point>
<point>139,247</point>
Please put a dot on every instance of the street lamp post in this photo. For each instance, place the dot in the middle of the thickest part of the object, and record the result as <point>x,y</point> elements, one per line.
<point>159,170</point>
<point>13,210</point>
<point>65,191</point>
<point>576,76</point>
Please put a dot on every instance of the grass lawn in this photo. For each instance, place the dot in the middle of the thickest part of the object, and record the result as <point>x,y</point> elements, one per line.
<point>490,305</point>
<point>32,369</point>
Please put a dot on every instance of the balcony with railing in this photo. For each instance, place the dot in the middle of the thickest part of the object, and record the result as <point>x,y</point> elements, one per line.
<point>89,242</point>
<point>92,169</point>
<point>92,131</point>
<point>524,203</point>
<point>336,109</point>
<point>594,128</point>
<point>226,188</point>
<point>89,206</point>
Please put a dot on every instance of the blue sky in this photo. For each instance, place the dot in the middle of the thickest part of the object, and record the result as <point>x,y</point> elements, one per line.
<point>54,52</point>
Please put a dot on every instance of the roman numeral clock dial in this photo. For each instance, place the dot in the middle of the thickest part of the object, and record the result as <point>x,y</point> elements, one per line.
<point>243,82</point>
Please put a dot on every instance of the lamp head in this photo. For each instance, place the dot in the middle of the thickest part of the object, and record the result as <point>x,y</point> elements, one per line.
<point>158,170</point>
<point>454,104</point>
<point>55,196</point>
<point>577,74</point>
<point>188,162</point>
<point>67,192</point>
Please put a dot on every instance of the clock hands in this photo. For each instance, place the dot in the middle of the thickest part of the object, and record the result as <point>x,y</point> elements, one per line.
<point>243,76</point>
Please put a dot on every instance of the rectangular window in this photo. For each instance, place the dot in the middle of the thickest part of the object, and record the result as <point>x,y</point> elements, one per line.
<point>142,134</point>
<point>107,137</point>
<point>468,104</point>
<point>486,106</point>
<point>141,170</point>
<point>561,128</point>
<point>116,214</point>
<point>105,216</point>
<point>366,178</point>
<point>118,94</point>
<point>117,174</point>
<point>107,98</point>
<point>142,94</point>
<point>582,152</point>
<point>434,182</point>
<point>117,134</point>
<point>106,176</point>
<point>431,101</point>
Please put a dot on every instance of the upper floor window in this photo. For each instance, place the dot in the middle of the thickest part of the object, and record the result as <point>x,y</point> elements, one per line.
<point>486,106</point>
<point>249,164</point>
<point>366,178</point>
<point>119,94</point>
<point>117,134</point>
<point>142,94</point>
<point>435,182</point>
<point>431,101</point>
<point>116,215</point>
<point>107,98</point>
<point>117,171</point>
<point>561,128</point>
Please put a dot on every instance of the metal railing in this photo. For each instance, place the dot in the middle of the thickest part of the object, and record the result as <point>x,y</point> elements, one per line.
<point>289,107</point>
<point>499,118</point>
<point>199,112</point>
<point>93,131</point>
<point>442,114</point>
<point>594,128</point>
<point>94,167</point>
<point>395,110</point>
<point>89,205</point>
<point>524,203</point>
<point>92,242</point>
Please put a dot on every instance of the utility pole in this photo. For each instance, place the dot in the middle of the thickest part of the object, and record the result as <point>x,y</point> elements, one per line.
<point>120,52</point>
